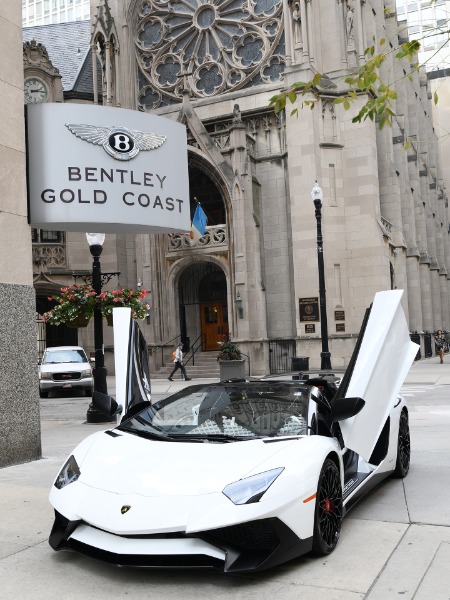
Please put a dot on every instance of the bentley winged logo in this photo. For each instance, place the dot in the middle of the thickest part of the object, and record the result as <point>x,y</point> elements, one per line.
<point>125,508</point>
<point>119,142</point>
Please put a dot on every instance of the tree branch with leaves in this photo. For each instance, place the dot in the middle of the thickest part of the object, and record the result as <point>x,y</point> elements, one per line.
<point>365,80</point>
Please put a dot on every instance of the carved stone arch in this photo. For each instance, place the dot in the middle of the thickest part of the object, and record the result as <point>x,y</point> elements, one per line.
<point>46,287</point>
<point>174,278</point>
<point>181,265</point>
<point>197,159</point>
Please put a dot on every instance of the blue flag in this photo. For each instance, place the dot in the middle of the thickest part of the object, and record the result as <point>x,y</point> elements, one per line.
<point>198,227</point>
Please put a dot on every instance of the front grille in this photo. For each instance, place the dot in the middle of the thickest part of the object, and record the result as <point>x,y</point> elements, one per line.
<point>248,547</point>
<point>256,535</point>
<point>69,376</point>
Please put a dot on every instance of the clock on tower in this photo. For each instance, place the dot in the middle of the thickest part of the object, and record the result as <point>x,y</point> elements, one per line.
<point>35,90</point>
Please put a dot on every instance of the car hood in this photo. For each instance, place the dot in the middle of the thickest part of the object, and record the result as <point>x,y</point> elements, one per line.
<point>128,464</point>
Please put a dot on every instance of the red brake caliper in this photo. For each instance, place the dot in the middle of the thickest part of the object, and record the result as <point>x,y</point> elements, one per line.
<point>327,505</point>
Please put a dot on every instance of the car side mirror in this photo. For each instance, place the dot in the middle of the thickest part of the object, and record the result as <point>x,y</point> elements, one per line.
<point>106,404</point>
<point>345,408</point>
<point>39,361</point>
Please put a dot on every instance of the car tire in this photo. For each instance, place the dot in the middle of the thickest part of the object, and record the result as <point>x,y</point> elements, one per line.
<point>43,394</point>
<point>328,511</point>
<point>403,447</point>
<point>88,392</point>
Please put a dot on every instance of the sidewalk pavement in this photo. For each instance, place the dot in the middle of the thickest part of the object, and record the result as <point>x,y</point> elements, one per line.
<point>430,371</point>
<point>394,544</point>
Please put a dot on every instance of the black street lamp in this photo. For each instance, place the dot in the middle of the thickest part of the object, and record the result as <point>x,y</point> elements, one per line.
<point>95,241</point>
<point>325,356</point>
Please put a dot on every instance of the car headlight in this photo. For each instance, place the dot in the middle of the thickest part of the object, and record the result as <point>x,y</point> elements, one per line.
<point>68,474</point>
<point>86,373</point>
<point>45,375</point>
<point>251,489</point>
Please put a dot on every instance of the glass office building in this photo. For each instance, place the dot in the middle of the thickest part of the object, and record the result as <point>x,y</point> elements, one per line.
<point>46,12</point>
<point>428,22</point>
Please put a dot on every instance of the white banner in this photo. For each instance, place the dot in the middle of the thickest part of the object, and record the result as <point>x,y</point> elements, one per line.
<point>111,170</point>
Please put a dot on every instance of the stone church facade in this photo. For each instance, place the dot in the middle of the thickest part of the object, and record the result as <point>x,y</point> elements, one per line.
<point>214,68</point>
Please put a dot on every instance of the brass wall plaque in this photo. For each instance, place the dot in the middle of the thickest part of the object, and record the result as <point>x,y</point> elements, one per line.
<point>309,309</point>
<point>340,326</point>
<point>339,315</point>
<point>310,328</point>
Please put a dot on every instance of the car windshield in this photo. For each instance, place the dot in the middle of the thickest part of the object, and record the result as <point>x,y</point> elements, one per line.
<point>226,412</point>
<point>64,356</point>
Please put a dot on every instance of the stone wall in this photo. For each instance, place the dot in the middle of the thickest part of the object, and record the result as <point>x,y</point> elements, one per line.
<point>19,398</point>
<point>19,404</point>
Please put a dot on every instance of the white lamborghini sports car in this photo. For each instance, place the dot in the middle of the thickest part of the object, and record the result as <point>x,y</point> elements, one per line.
<point>239,475</point>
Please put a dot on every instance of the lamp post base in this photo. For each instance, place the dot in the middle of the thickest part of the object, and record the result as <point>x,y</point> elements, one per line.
<point>325,360</point>
<point>93,416</point>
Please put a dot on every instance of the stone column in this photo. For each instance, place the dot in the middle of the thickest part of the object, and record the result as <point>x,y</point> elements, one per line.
<point>20,433</point>
<point>94,71</point>
<point>361,30</point>
<point>116,76</point>
<point>304,29</point>
<point>310,26</point>
<point>341,20</point>
<point>248,274</point>
<point>288,33</point>
<point>108,72</point>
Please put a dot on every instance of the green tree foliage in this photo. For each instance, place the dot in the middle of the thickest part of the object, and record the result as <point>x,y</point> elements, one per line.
<point>365,80</point>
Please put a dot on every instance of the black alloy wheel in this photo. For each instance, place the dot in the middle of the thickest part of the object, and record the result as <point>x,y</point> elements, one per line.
<point>403,447</point>
<point>328,511</point>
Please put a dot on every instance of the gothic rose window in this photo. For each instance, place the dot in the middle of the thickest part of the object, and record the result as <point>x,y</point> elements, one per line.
<point>206,47</point>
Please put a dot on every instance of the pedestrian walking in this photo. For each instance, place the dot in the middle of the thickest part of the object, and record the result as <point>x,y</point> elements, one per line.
<point>178,363</point>
<point>440,344</point>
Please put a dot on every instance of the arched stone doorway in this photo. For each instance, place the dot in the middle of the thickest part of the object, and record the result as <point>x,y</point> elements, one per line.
<point>202,293</point>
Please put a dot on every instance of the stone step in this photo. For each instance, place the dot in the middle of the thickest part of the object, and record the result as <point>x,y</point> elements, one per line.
<point>197,371</point>
<point>206,366</point>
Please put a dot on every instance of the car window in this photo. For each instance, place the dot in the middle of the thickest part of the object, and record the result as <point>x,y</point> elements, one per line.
<point>64,356</point>
<point>244,410</point>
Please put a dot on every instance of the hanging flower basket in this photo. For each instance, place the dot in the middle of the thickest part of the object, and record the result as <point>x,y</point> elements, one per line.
<point>73,307</point>
<point>80,321</point>
<point>123,297</point>
<point>77,303</point>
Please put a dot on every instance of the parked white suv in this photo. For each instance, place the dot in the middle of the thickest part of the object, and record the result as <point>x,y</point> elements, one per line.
<point>63,368</point>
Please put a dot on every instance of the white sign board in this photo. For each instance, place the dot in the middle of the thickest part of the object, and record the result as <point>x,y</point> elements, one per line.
<point>103,169</point>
